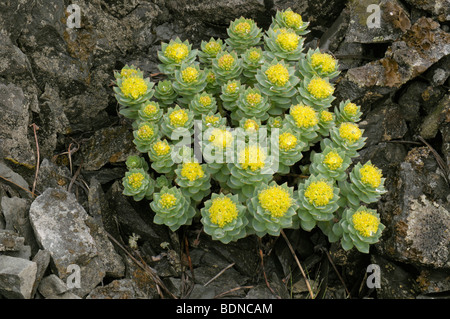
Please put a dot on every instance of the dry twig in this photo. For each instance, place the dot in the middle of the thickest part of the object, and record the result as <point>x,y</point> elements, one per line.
<point>35,128</point>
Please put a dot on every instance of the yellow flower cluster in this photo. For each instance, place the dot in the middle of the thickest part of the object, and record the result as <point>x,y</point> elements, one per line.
<point>304,116</point>
<point>252,157</point>
<point>126,73</point>
<point>221,138</point>
<point>319,193</point>
<point>371,175</point>
<point>231,87</point>
<point>189,74</point>
<point>320,88</point>
<point>211,119</point>
<point>205,100</point>
<point>133,87</point>
<point>292,19</point>
<point>365,223</point>
<point>222,211</point>
<point>178,118</point>
<point>276,200</point>
<point>253,98</point>
<point>161,148</point>
<point>145,132</point>
<point>254,56</point>
<point>212,47</point>
<point>287,141</point>
<point>242,28</point>
<point>288,41</point>
<point>135,180</point>
<point>351,109</point>
<point>324,62</point>
<point>325,116</point>
<point>333,160</point>
<point>278,74</point>
<point>251,125</point>
<point>226,62</point>
<point>176,52</point>
<point>167,200</point>
<point>192,171</point>
<point>150,109</point>
<point>350,132</point>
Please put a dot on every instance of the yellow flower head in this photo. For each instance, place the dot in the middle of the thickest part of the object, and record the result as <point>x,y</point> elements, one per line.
<point>292,19</point>
<point>231,87</point>
<point>276,200</point>
<point>253,98</point>
<point>288,41</point>
<point>370,175</point>
<point>189,74</point>
<point>178,118</point>
<point>252,157</point>
<point>351,109</point>
<point>254,56</point>
<point>211,120</point>
<point>167,200</point>
<point>221,138</point>
<point>205,100</point>
<point>319,193</point>
<point>325,116</point>
<point>161,148</point>
<point>350,132</point>
<point>213,47</point>
<point>126,73</point>
<point>333,160</point>
<point>320,88</point>
<point>133,87</point>
<point>150,109</point>
<point>192,171</point>
<point>287,141</point>
<point>145,132</point>
<point>324,62</point>
<point>176,52</point>
<point>365,223</point>
<point>304,116</point>
<point>135,180</point>
<point>222,211</point>
<point>242,28</point>
<point>210,77</point>
<point>251,125</point>
<point>278,74</point>
<point>226,62</point>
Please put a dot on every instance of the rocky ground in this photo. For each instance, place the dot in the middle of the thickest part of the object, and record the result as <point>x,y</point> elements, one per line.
<point>56,87</point>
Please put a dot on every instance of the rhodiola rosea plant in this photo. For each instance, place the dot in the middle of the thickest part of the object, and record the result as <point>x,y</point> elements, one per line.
<point>222,132</point>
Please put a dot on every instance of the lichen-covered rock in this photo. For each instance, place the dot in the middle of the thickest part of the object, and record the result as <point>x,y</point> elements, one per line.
<point>17,277</point>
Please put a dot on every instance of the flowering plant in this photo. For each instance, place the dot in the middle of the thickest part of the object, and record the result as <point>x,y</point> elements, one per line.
<point>230,126</point>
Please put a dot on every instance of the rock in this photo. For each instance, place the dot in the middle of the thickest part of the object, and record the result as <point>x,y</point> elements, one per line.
<point>52,175</point>
<point>15,145</point>
<point>42,260</point>
<point>117,289</point>
<point>59,224</point>
<point>65,295</point>
<point>439,8</point>
<point>432,282</point>
<point>432,122</point>
<point>416,213</point>
<point>394,21</point>
<point>24,252</point>
<point>10,241</point>
<point>52,285</point>
<point>17,277</point>
<point>16,210</point>
<point>108,146</point>
<point>411,55</point>
<point>15,179</point>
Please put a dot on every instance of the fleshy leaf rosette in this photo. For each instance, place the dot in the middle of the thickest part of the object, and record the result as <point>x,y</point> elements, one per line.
<point>291,20</point>
<point>290,147</point>
<point>212,120</point>
<point>135,161</point>
<point>360,228</point>
<point>317,197</point>
<point>173,54</point>
<point>138,184</point>
<point>161,157</point>
<point>218,151</point>
<point>227,66</point>
<point>172,208</point>
<point>230,94</point>
<point>331,163</point>
<point>189,80</point>
<point>251,103</point>
<point>316,63</point>
<point>203,103</point>
<point>131,92</point>
<point>283,44</point>
<point>272,208</point>
<point>149,112</point>
<point>177,122</point>
<point>277,81</point>
<point>347,112</point>
<point>144,136</point>
<point>347,136</point>
<point>193,179</point>
<point>304,120</point>
<point>209,50</point>
<point>317,92</point>
<point>224,218</point>
<point>252,59</point>
<point>165,93</point>
<point>128,71</point>
<point>242,34</point>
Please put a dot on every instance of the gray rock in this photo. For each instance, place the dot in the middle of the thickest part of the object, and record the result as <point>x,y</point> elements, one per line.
<point>394,21</point>
<point>42,260</point>
<point>10,241</point>
<point>439,8</point>
<point>65,295</point>
<point>17,277</point>
<point>117,289</point>
<point>59,224</point>
<point>15,178</point>
<point>14,126</point>
<point>52,285</point>
<point>52,176</point>
<point>432,122</point>
<point>24,252</point>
